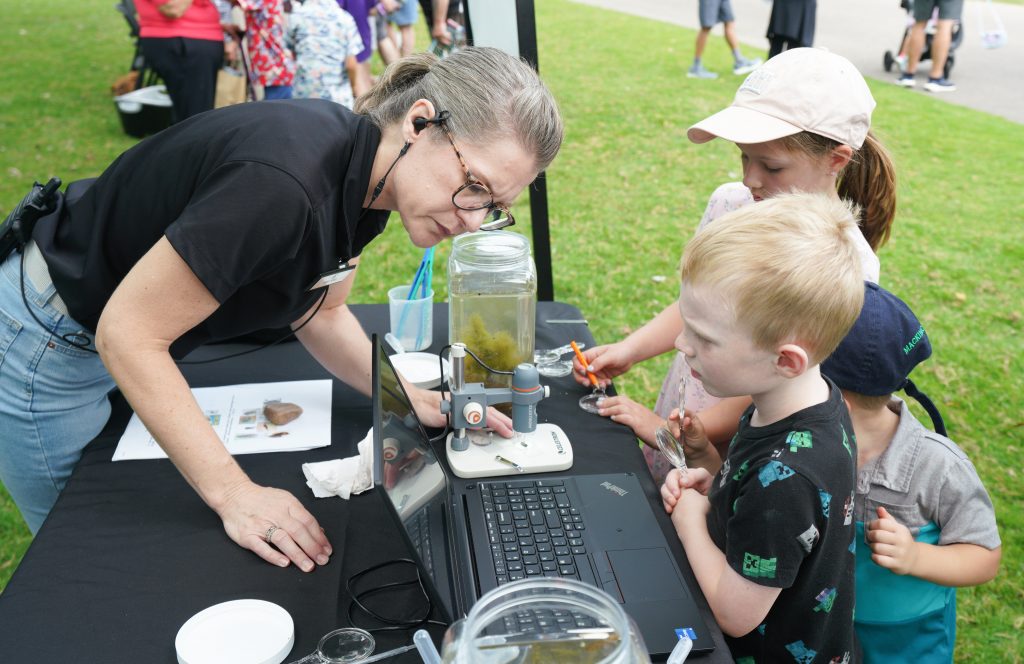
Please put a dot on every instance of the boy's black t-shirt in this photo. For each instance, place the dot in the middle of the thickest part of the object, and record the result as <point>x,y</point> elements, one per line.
<point>782,511</point>
<point>258,199</point>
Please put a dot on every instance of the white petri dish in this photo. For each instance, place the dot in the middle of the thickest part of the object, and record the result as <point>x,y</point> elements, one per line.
<point>242,631</point>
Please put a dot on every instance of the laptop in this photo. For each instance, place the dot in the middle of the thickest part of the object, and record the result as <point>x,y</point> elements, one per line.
<point>471,536</point>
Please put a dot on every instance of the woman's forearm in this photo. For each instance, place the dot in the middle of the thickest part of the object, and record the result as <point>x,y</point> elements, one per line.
<point>159,394</point>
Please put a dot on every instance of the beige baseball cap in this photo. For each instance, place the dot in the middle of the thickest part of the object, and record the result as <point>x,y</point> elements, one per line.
<point>802,89</point>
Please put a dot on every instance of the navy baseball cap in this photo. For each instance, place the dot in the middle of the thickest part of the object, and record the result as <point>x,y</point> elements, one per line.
<point>881,349</point>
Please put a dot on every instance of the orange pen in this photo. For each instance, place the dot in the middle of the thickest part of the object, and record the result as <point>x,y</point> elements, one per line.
<point>586,367</point>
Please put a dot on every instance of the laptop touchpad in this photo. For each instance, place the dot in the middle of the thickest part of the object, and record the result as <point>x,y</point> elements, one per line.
<point>646,574</point>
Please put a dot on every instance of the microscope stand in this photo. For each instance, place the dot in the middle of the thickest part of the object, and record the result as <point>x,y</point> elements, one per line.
<point>547,449</point>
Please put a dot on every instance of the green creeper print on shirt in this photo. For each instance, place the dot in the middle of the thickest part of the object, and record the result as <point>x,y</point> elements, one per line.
<point>774,471</point>
<point>826,598</point>
<point>801,653</point>
<point>757,567</point>
<point>798,439</point>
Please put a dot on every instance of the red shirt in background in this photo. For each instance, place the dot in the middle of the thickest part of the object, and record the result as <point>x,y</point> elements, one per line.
<point>200,21</point>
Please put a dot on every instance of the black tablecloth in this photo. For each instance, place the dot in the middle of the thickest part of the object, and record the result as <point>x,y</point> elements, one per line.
<point>130,552</point>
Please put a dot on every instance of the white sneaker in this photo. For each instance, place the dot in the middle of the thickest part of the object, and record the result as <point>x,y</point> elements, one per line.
<point>698,71</point>
<point>939,85</point>
<point>906,80</point>
<point>745,66</point>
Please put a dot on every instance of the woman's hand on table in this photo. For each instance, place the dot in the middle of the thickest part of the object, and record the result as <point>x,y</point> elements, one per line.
<point>253,514</point>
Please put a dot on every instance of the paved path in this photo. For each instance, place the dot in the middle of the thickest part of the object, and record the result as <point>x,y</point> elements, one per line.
<point>990,80</point>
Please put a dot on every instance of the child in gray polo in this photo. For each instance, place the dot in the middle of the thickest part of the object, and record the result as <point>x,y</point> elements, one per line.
<point>925,524</point>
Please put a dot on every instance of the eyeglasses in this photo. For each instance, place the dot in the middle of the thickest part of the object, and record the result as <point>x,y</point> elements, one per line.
<point>474,195</point>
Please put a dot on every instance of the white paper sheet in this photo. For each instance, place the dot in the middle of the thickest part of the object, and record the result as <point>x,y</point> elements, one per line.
<point>236,415</point>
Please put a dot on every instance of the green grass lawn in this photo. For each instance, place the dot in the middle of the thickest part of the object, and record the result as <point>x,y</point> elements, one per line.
<point>625,194</point>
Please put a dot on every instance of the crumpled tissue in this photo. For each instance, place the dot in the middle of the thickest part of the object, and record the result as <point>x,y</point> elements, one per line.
<point>342,477</point>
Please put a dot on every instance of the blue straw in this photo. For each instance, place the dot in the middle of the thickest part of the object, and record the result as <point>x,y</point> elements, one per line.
<point>424,266</point>
<point>425,289</point>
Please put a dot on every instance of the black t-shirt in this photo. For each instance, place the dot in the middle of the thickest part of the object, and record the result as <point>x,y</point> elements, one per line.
<point>258,199</point>
<point>782,511</point>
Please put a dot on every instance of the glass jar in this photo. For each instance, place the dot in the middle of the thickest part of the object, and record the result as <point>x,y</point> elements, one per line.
<point>492,291</point>
<point>601,632</point>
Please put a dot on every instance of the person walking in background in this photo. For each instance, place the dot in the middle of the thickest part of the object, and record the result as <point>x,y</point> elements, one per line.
<point>386,47</point>
<point>404,19</point>
<point>325,41</point>
<point>272,64</point>
<point>949,13</point>
<point>712,12</point>
<point>791,25</point>
<point>183,43</point>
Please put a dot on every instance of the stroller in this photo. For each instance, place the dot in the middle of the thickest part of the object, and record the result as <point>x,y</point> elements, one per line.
<point>900,59</point>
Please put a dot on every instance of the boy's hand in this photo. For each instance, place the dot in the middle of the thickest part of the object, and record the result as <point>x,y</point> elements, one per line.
<point>697,479</point>
<point>624,410</point>
<point>892,545</point>
<point>695,440</point>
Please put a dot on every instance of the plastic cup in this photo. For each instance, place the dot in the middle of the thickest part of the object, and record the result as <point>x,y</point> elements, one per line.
<point>412,321</point>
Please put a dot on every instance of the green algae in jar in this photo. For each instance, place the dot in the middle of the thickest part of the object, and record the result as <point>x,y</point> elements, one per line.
<point>492,291</point>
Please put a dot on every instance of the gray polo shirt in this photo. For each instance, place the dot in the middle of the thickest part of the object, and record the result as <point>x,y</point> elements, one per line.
<point>923,477</point>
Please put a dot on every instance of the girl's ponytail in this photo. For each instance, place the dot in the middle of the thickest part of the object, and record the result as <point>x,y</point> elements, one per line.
<point>869,180</point>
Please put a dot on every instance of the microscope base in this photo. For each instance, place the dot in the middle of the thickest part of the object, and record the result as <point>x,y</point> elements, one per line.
<point>548,449</point>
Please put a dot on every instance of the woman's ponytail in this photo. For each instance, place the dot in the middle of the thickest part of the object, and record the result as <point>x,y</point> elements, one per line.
<point>869,180</point>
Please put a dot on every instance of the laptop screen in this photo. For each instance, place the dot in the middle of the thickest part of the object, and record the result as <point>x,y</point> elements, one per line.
<point>406,468</point>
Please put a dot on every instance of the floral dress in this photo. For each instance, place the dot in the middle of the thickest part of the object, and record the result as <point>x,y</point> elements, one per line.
<point>272,64</point>
<point>322,36</point>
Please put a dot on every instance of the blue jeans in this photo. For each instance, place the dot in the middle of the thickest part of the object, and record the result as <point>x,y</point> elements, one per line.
<point>277,92</point>
<point>53,396</point>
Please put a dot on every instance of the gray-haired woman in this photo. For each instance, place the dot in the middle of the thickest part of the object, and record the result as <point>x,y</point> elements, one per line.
<point>222,225</point>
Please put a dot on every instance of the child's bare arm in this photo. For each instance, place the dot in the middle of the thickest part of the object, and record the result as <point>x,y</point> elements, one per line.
<point>739,605</point>
<point>641,420</point>
<point>958,565</point>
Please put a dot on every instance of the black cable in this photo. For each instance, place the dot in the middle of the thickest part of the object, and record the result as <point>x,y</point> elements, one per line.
<point>392,624</point>
<point>68,338</point>
<point>291,333</point>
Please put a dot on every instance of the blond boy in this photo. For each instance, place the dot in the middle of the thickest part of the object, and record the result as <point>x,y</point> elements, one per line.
<point>768,291</point>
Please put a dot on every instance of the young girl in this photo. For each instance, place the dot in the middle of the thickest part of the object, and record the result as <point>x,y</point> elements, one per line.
<point>801,122</point>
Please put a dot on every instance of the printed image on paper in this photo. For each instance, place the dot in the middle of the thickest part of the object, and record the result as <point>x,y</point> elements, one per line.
<point>236,413</point>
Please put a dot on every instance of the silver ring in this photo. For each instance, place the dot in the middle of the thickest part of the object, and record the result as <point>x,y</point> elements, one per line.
<point>270,533</point>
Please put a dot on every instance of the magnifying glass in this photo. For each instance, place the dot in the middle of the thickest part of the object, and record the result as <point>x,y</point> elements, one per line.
<point>348,645</point>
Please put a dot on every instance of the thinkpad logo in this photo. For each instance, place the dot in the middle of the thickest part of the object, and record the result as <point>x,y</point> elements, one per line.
<point>614,489</point>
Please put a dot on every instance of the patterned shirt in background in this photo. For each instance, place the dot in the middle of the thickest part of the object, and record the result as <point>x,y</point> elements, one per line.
<point>322,36</point>
<point>272,64</point>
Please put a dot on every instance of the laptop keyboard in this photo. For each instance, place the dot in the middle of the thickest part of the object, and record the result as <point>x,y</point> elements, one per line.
<point>533,530</point>
<point>418,527</point>
<point>548,621</point>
